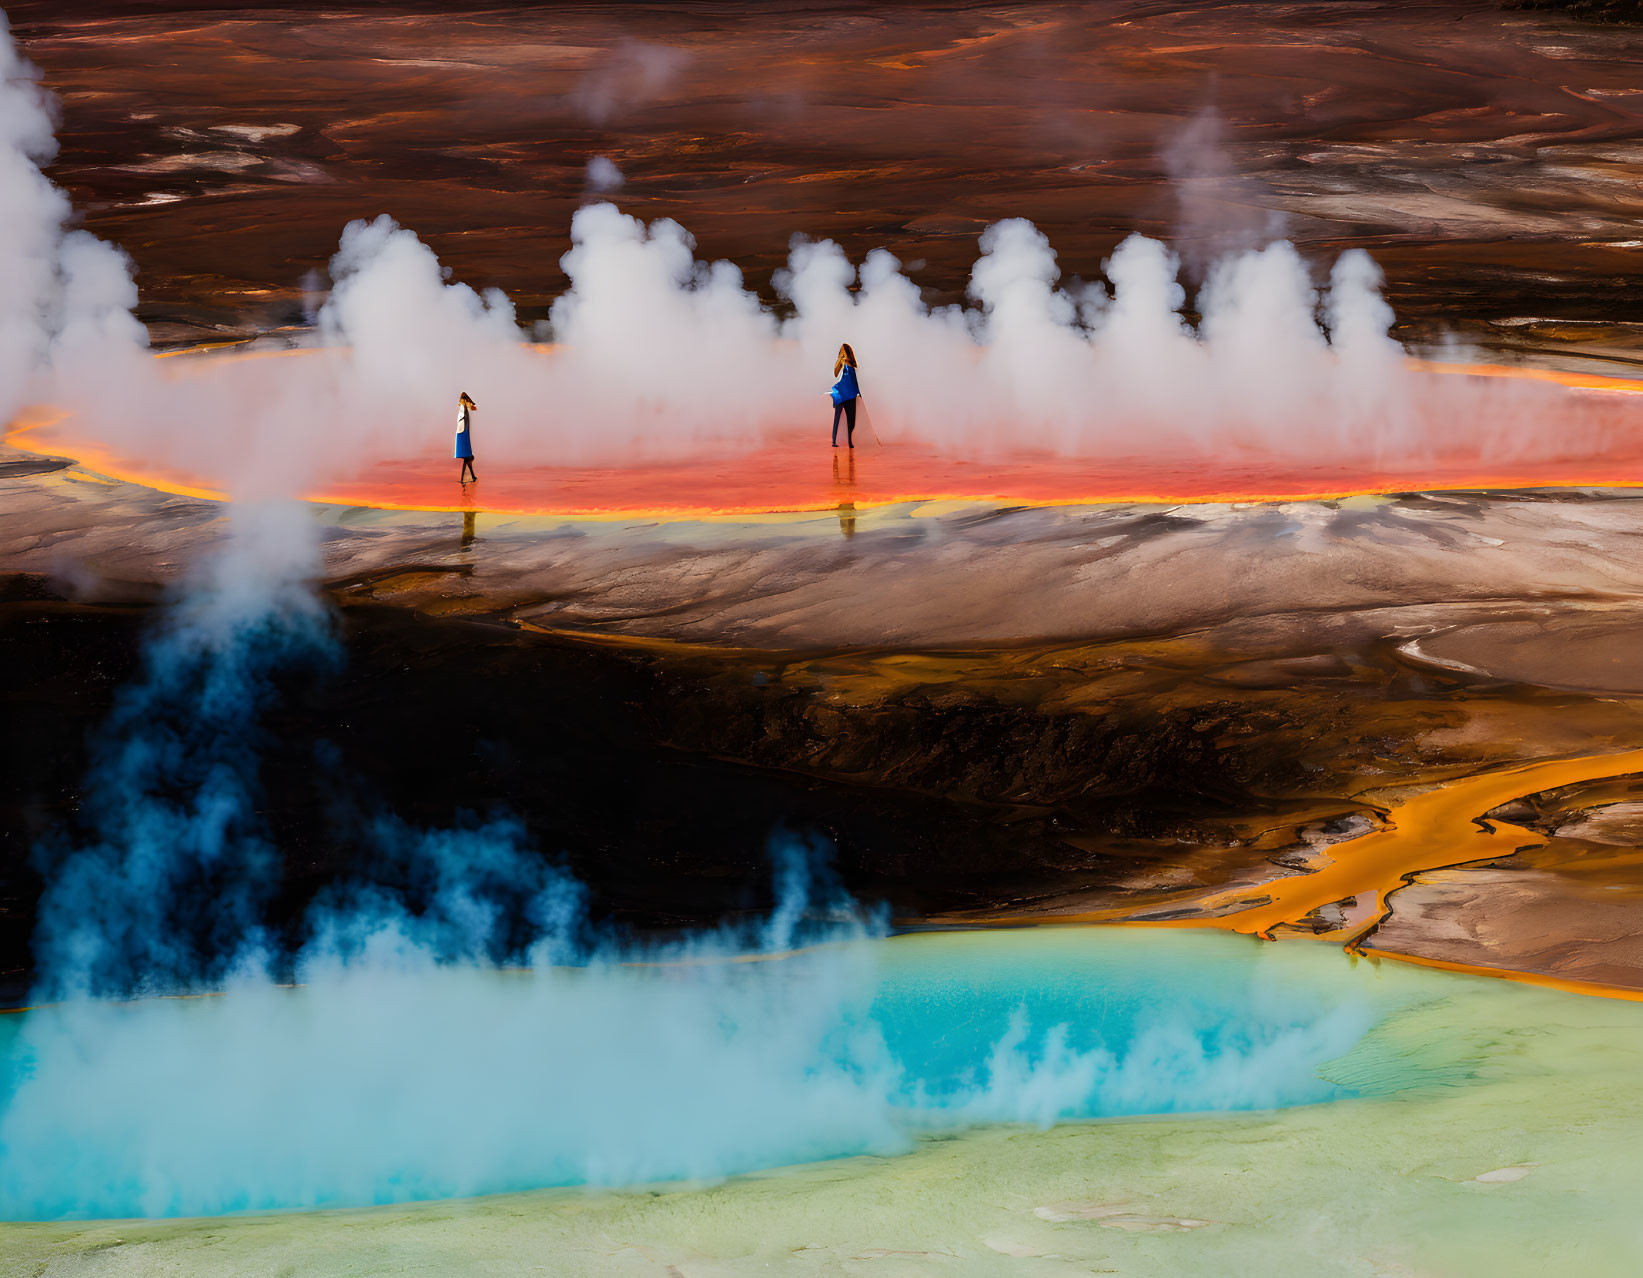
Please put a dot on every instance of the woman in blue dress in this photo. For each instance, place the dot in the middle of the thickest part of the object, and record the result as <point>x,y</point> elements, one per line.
<point>846,391</point>
<point>464,437</point>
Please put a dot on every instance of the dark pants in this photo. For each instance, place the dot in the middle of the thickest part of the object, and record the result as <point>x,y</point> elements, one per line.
<point>848,408</point>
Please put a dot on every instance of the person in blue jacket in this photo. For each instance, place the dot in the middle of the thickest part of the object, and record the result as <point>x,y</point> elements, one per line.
<point>465,438</point>
<point>846,391</point>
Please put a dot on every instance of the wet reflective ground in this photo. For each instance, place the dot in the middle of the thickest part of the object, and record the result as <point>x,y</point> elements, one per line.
<point>1590,424</point>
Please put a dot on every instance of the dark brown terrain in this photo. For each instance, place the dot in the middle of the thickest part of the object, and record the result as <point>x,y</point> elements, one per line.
<point>1488,157</point>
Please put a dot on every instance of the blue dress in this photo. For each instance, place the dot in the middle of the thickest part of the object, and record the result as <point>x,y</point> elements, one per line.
<point>846,387</point>
<point>464,436</point>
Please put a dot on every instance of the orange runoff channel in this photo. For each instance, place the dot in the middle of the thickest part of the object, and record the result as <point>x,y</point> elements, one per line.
<point>1435,829</point>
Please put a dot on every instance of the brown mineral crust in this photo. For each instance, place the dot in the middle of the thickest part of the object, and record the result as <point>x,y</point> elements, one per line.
<point>1591,649</point>
<point>1568,906</point>
<point>1524,920</point>
<point>1487,157</point>
<point>1608,812</point>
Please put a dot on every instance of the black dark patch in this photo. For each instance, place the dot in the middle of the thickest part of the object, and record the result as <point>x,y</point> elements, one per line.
<point>34,466</point>
<point>1591,10</point>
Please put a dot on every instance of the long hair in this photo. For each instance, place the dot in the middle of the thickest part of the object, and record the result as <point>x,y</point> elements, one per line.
<point>465,400</point>
<point>846,356</point>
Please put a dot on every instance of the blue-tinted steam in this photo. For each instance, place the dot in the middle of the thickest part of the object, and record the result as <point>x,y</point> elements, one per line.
<point>170,888</point>
<point>465,1030</point>
<point>392,1077</point>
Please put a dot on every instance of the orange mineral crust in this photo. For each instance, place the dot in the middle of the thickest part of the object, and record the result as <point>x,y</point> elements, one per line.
<point>1439,827</point>
<point>795,470</point>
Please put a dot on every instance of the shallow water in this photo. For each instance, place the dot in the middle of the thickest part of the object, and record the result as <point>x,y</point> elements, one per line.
<point>391,1082</point>
<point>790,469</point>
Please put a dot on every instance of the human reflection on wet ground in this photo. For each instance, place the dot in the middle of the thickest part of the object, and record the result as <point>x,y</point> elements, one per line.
<point>1590,425</point>
<point>846,480</point>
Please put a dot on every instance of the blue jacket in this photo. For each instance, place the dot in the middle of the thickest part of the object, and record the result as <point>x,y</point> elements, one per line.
<point>846,388</point>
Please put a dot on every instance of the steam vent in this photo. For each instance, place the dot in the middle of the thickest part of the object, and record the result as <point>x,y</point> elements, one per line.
<point>836,638</point>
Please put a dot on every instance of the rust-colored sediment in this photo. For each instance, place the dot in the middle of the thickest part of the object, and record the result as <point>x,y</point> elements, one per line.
<point>1430,831</point>
<point>472,125</point>
<point>796,471</point>
<point>1436,829</point>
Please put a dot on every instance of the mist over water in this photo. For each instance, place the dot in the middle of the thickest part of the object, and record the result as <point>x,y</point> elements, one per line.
<point>657,355</point>
<point>393,1077</point>
<point>447,1020</point>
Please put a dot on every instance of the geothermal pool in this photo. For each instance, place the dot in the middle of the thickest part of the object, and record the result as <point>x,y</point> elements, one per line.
<point>1594,422</point>
<point>1470,1125</point>
<point>385,1082</point>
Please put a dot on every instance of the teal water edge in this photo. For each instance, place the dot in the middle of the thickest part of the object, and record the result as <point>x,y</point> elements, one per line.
<point>402,1080</point>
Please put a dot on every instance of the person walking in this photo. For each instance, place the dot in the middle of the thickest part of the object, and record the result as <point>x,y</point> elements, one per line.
<point>846,391</point>
<point>464,437</point>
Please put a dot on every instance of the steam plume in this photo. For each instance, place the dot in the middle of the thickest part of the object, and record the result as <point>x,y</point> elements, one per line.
<point>1218,209</point>
<point>603,175</point>
<point>64,294</point>
<point>416,1060</point>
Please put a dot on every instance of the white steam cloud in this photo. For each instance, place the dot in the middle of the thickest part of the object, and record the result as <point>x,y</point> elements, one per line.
<point>603,175</point>
<point>627,78</point>
<point>1219,210</point>
<point>663,351</point>
<point>657,354</point>
<point>65,296</point>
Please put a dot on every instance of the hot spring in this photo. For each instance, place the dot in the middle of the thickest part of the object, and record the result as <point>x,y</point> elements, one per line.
<point>395,1079</point>
<point>1472,422</point>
